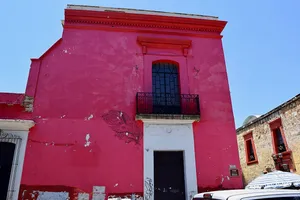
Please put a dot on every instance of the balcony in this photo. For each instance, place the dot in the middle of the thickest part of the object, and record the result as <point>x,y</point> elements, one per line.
<point>167,106</point>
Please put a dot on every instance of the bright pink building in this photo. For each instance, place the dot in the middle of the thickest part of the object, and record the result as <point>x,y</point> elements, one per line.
<point>127,102</point>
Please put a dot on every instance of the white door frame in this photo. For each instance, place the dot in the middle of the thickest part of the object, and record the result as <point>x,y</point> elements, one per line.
<point>168,135</point>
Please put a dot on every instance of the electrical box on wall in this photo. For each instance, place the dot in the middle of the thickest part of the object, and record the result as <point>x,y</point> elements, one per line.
<point>233,170</point>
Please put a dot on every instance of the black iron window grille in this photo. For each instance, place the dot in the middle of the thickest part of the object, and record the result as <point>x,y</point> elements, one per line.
<point>251,155</point>
<point>165,97</point>
<point>165,88</point>
<point>279,141</point>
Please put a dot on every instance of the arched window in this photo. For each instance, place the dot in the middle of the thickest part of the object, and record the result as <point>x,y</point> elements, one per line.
<point>165,88</point>
<point>7,151</point>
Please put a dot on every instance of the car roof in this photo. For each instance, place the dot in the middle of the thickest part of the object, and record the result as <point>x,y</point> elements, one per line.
<point>242,193</point>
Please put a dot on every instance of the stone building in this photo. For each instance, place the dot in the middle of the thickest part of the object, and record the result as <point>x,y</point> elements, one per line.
<point>271,141</point>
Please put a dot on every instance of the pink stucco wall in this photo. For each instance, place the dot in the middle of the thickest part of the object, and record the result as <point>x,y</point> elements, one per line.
<point>89,73</point>
<point>11,106</point>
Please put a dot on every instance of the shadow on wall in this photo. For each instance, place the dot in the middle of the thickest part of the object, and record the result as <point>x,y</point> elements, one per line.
<point>209,189</point>
<point>244,180</point>
<point>220,185</point>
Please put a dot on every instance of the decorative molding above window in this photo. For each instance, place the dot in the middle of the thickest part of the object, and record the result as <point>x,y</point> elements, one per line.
<point>275,123</point>
<point>164,43</point>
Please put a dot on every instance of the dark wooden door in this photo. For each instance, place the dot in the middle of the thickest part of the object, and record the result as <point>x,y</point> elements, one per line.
<point>6,158</point>
<point>169,181</point>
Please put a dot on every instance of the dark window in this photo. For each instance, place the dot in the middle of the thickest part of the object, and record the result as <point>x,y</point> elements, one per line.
<point>251,155</point>
<point>165,88</point>
<point>250,152</point>
<point>280,146</point>
<point>6,158</point>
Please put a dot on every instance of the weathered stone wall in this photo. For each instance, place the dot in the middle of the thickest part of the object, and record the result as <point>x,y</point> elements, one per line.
<point>291,126</point>
<point>290,117</point>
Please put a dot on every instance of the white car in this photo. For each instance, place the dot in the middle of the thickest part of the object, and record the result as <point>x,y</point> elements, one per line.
<point>269,194</point>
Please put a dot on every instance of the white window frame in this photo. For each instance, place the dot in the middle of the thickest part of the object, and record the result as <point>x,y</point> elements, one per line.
<point>12,130</point>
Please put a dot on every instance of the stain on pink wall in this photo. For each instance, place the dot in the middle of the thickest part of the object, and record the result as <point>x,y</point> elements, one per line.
<point>87,75</point>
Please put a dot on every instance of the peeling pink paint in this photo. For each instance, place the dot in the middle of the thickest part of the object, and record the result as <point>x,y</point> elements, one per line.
<point>11,106</point>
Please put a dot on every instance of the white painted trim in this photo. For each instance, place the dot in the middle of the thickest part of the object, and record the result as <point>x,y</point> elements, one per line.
<point>170,137</point>
<point>168,121</point>
<point>16,129</point>
<point>16,124</point>
<point>139,11</point>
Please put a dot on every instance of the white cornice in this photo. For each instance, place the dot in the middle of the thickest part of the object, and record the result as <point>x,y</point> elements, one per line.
<point>139,11</point>
<point>16,124</point>
<point>167,121</point>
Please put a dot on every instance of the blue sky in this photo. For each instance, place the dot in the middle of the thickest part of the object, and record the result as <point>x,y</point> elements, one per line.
<point>261,43</point>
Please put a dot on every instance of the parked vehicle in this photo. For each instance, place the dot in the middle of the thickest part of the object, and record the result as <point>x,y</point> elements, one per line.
<point>246,194</point>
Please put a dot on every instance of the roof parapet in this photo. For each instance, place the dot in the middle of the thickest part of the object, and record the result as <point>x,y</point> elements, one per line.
<point>139,11</point>
<point>261,117</point>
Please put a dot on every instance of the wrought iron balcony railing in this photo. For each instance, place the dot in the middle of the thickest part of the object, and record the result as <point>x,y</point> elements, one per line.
<point>167,104</point>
